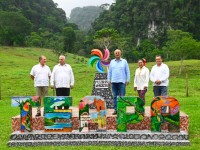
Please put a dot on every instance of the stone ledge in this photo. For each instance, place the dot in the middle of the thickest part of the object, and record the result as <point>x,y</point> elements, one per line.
<point>130,135</point>
<point>111,138</point>
<point>100,142</point>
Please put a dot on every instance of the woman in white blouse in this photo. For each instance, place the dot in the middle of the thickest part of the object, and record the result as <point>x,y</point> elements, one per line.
<point>141,79</point>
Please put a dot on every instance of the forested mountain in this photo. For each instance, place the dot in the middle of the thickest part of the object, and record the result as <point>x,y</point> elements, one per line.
<point>140,28</point>
<point>83,17</point>
<point>150,19</point>
<point>143,25</point>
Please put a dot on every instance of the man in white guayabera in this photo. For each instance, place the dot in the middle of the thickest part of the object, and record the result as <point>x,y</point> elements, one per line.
<point>159,76</point>
<point>62,78</point>
<point>41,74</point>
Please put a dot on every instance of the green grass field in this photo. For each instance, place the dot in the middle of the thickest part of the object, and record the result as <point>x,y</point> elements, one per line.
<point>15,66</point>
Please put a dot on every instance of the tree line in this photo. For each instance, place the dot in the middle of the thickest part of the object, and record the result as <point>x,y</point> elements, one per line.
<point>140,28</point>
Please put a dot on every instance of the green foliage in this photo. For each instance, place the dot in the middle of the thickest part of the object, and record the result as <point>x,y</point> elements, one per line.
<point>69,39</point>
<point>106,33</point>
<point>182,45</point>
<point>78,44</point>
<point>106,37</point>
<point>73,25</point>
<point>34,40</point>
<point>14,27</point>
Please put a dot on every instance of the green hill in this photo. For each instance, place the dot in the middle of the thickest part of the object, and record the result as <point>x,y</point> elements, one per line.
<point>16,63</point>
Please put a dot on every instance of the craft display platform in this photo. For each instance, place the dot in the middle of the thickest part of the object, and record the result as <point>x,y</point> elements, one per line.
<point>137,134</point>
<point>92,122</point>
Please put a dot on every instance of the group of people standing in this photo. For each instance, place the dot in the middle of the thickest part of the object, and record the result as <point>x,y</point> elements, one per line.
<point>119,77</point>
<point>62,78</point>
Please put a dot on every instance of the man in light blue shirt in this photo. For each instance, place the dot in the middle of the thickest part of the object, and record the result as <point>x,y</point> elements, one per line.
<point>118,76</point>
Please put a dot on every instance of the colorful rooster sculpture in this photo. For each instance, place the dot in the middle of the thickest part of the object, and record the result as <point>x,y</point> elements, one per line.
<point>102,60</point>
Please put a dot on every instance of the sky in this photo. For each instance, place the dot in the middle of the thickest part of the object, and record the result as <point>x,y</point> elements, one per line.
<point>68,5</point>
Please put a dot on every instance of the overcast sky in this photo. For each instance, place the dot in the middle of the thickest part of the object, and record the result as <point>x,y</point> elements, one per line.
<point>68,5</point>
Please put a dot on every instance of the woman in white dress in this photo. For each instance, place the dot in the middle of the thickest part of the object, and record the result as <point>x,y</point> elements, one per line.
<point>141,79</point>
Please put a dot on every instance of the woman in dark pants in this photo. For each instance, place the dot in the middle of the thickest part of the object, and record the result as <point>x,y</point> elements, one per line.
<point>141,79</point>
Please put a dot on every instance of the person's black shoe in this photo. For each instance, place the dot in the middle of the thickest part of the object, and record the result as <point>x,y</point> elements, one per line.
<point>38,115</point>
<point>115,113</point>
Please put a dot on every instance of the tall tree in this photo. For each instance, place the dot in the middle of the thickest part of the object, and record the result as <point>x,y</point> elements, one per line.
<point>182,46</point>
<point>106,37</point>
<point>69,39</point>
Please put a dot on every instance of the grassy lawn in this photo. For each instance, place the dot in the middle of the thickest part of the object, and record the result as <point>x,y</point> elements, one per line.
<point>15,66</point>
